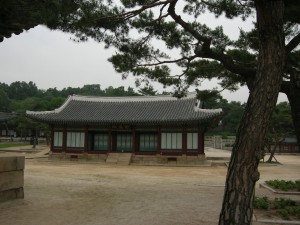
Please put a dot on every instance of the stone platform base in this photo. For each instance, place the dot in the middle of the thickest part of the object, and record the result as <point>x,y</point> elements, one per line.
<point>11,177</point>
<point>132,159</point>
<point>184,160</point>
<point>77,157</point>
<point>11,194</point>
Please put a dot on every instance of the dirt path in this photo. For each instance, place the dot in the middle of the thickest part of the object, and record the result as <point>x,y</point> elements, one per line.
<point>58,193</point>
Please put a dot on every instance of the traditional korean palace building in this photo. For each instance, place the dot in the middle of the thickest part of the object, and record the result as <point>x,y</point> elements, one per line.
<point>161,129</point>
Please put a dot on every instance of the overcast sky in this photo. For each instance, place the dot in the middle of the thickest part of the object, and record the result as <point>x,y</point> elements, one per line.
<point>50,59</point>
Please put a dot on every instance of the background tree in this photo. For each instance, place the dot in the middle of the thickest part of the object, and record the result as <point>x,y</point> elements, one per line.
<point>120,91</point>
<point>20,90</point>
<point>92,90</point>
<point>4,101</point>
<point>280,127</point>
<point>147,90</point>
<point>233,112</point>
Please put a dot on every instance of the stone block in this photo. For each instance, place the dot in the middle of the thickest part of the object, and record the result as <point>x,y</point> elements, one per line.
<point>92,157</point>
<point>11,163</point>
<point>11,180</point>
<point>11,194</point>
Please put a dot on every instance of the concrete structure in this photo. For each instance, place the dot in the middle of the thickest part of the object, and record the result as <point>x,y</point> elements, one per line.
<point>11,177</point>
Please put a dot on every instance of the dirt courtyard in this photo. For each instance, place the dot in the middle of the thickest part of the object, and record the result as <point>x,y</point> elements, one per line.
<point>59,193</point>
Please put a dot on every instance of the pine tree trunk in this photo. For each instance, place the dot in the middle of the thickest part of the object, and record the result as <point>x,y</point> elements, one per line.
<point>294,95</point>
<point>243,168</point>
<point>272,152</point>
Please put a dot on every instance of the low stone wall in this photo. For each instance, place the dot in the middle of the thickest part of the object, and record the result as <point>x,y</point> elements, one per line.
<point>11,177</point>
<point>219,143</point>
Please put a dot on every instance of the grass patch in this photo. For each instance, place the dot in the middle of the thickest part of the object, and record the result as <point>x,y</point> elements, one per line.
<point>8,145</point>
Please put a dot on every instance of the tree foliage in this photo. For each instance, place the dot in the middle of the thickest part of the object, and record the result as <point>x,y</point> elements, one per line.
<point>21,96</point>
<point>19,15</point>
<point>147,33</point>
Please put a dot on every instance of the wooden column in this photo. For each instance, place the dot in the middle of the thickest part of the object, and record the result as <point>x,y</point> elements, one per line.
<point>134,139</point>
<point>200,141</point>
<point>64,139</point>
<point>158,140</point>
<point>110,141</point>
<point>184,141</point>
<point>86,138</point>
<point>52,138</point>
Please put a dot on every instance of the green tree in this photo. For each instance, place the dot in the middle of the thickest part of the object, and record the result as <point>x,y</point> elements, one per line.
<point>52,92</point>
<point>92,90</point>
<point>120,91</point>
<point>65,92</point>
<point>147,90</point>
<point>4,101</point>
<point>163,20</point>
<point>233,112</point>
<point>280,127</point>
<point>20,90</point>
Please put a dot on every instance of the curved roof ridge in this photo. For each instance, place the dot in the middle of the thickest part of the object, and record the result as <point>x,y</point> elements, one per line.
<point>219,110</point>
<point>64,105</point>
<point>130,98</point>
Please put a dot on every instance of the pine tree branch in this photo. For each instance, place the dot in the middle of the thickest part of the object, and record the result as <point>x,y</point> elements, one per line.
<point>205,51</point>
<point>285,87</point>
<point>293,44</point>
<point>130,14</point>
<point>189,59</point>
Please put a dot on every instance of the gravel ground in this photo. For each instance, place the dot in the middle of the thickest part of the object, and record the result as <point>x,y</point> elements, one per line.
<point>59,193</point>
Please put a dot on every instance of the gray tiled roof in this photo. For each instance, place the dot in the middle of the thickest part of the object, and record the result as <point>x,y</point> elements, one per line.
<point>6,116</point>
<point>127,110</point>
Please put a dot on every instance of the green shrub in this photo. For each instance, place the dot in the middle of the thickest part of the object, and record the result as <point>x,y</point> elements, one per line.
<point>295,211</point>
<point>284,207</point>
<point>281,203</point>
<point>297,182</point>
<point>284,214</point>
<point>284,185</point>
<point>261,203</point>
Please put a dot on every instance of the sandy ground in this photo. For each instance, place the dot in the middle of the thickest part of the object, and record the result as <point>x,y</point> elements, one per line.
<point>59,193</point>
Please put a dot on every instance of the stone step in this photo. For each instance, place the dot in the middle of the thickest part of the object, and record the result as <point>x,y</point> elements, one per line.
<point>124,158</point>
<point>119,158</point>
<point>112,158</point>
